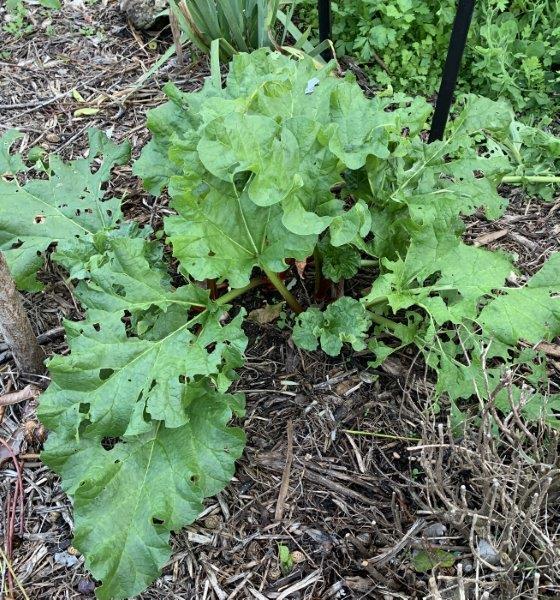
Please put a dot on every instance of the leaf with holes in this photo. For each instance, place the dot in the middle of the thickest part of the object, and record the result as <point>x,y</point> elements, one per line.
<point>530,313</point>
<point>67,208</point>
<point>128,498</point>
<point>112,379</point>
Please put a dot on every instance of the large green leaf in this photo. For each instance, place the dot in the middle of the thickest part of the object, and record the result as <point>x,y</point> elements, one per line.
<point>110,379</point>
<point>267,136</point>
<point>129,498</point>
<point>224,235</point>
<point>67,208</point>
<point>530,313</point>
<point>129,276</point>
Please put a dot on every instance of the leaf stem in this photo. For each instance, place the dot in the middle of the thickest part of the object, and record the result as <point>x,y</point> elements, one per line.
<point>284,291</point>
<point>384,321</point>
<point>366,262</point>
<point>531,179</point>
<point>377,301</point>
<point>232,294</point>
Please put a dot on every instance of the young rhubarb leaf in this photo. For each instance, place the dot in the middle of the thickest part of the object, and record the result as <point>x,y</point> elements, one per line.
<point>342,262</point>
<point>345,320</point>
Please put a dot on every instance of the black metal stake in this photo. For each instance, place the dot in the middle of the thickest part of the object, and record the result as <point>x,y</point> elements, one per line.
<point>451,69</point>
<point>325,30</point>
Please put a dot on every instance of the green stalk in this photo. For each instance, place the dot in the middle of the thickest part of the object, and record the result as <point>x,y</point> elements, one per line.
<point>284,291</point>
<point>366,262</point>
<point>384,321</point>
<point>531,179</point>
<point>377,301</point>
<point>232,294</point>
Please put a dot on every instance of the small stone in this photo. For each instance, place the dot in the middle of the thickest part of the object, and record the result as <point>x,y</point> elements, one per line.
<point>53,138</point>
<point>143,13</point>
<point>298,557</point>
<point>488,553</point>
<point>73,551</point>
<point>65,559</point>
<point>435,530</point>
<point>274,573</point>
<point>86,586</point>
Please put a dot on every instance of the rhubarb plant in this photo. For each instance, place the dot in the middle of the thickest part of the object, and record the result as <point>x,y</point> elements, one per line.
<point>138,412</point>
<point>283,162</point>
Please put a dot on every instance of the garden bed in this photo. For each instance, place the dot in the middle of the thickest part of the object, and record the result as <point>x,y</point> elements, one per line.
<point>346,466</point>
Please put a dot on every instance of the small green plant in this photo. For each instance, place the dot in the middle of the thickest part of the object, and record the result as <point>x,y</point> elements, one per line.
<point>283,162</point>
<point>513,50</point>
<point>17,24</point>
<point>87,31</point>
<point>285,559</point>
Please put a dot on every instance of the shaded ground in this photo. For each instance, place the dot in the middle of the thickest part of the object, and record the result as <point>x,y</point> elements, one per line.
<point>346,466</point>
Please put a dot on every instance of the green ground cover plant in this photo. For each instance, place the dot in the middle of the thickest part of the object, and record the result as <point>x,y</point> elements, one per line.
<point>513,50</point>
<point>283,162</point>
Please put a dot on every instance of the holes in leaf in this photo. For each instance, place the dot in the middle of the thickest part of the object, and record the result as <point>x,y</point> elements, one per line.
<point>194,478</point>
<point>182,379</point>
<point>88,211</point>
<point>157,521</point>
<point>109,443</point>
<point>109,212</point>
<point>104,374</point>
<point>97,326</point>
<point>117,461</point>
<point>82,428</point>
<point>39,219</point>
<point>78,212</point>
<point>119,289</point>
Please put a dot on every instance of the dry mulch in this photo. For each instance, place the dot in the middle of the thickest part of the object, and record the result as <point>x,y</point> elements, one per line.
<point>348,467</point>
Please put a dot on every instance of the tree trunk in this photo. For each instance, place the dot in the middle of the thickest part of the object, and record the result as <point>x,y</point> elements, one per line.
<point>15,327</point>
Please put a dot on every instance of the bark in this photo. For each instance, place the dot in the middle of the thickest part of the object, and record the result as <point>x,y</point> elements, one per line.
<point>15,327</point>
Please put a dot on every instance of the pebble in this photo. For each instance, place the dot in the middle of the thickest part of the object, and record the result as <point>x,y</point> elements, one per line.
<point>65,559</point>
<point>435,530</point>
<point>488,553</point>
<point>86,586</point>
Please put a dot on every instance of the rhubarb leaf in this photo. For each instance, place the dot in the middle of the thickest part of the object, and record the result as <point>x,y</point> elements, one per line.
<point>68,208</point>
